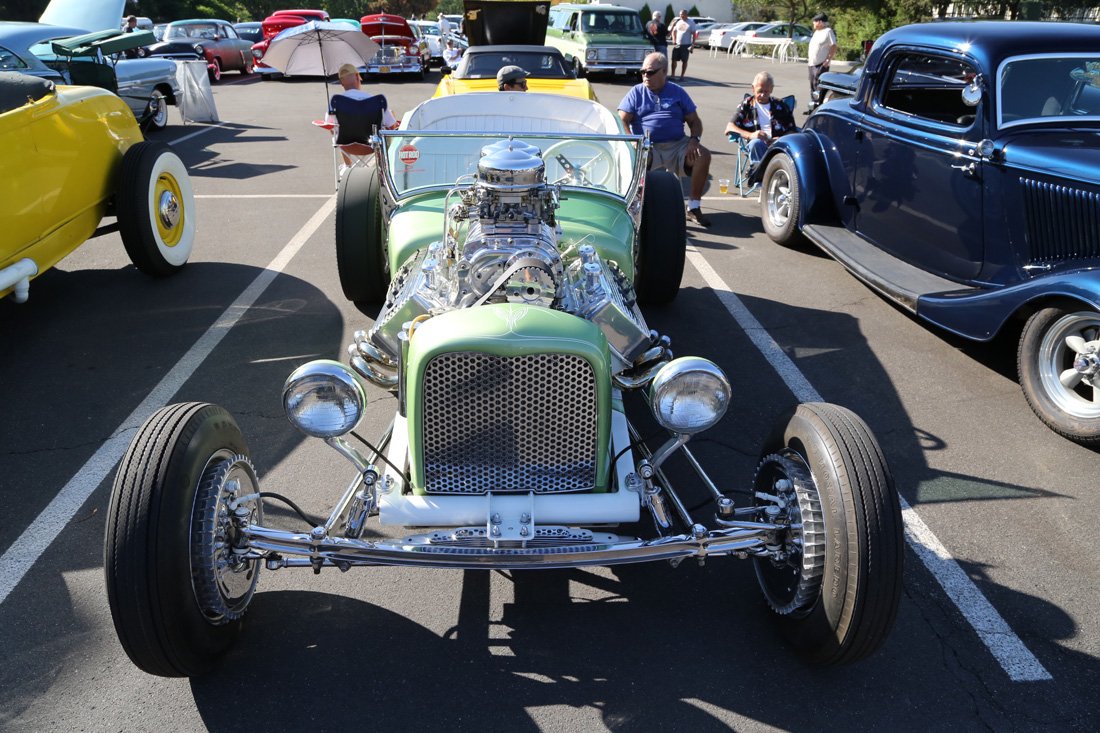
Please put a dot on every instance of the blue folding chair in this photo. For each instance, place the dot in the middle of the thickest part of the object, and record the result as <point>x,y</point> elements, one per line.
<point>741,167</point>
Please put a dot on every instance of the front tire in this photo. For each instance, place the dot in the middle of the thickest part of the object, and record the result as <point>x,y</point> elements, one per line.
<point>246,64</point>
<point>1059,366</point>
<point>578,69</point>
<point>177,594</point>
<point>780,198</point>
<point>360,250</point>
<point>155,205</point>
<point>216,71</point>
<point>836,592</point>
<point>662,240</point>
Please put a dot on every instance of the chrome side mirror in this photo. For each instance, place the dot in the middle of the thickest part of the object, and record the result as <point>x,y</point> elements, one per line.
<point>972,92</point>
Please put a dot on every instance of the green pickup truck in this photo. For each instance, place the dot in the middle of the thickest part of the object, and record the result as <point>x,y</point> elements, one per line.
<point>598,39</point>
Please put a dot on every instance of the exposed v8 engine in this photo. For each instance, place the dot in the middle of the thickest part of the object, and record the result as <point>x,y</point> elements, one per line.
<point>501,244</point>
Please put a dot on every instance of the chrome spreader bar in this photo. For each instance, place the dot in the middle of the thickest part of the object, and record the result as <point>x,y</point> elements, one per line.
<point>264,543</point>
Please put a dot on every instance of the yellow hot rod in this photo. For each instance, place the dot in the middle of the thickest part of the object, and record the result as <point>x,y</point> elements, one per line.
<point>71,156</point>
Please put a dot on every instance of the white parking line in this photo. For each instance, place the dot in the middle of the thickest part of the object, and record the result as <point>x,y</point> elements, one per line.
<point>1002,642</point>
<point>21,556</point>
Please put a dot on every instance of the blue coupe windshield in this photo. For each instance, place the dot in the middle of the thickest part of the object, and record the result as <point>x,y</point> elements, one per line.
<point>1043,88</point>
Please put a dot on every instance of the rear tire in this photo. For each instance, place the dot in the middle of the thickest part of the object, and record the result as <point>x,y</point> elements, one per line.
<point>156,209</point>
<point>662,240</point>
<point>156,112</point>
<point>360,250</point>
<point>837,603</point>
<point>170,607</point>
<point>780,199</point>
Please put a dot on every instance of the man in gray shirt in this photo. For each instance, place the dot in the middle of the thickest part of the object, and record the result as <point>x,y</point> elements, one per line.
<point>682,30</point>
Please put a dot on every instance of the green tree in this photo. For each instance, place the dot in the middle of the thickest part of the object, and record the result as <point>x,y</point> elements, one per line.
<point>645,13</point>
<point>669,14</point>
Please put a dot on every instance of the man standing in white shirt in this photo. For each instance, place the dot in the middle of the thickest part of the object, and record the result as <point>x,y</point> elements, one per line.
<point>444,27</point>
<point>682,30</point>
<point>822,50</point>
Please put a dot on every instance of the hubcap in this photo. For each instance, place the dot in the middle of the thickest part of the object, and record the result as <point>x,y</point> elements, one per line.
<point>779,198</point>
<point>1069,364</point>
<point>222,579</point>
<point>170,213</point>
<point>790,575</point>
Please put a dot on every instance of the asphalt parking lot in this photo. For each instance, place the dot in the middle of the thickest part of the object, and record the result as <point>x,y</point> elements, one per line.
<point>999,626</point>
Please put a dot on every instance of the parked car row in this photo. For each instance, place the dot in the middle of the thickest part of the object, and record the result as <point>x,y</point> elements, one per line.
<point>724,35</point>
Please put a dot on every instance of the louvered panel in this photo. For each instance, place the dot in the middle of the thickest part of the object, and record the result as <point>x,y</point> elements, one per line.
<point>1063,223</point>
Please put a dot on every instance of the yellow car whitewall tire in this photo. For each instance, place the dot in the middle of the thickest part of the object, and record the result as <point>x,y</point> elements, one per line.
<point>156,209</point>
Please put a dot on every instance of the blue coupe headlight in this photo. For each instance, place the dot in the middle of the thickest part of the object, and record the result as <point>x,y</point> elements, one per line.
<point>689,395</point>
<point>323,399</point>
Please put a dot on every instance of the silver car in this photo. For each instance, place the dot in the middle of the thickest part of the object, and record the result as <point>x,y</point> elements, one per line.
<point>148,85</point>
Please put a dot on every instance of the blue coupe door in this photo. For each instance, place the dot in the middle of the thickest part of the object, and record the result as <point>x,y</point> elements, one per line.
<point>917,184</point>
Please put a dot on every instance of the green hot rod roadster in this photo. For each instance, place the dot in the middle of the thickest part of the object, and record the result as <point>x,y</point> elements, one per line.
<point>509,240</point>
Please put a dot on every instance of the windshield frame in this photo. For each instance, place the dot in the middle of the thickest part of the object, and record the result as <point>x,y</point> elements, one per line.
<point>386,141</point>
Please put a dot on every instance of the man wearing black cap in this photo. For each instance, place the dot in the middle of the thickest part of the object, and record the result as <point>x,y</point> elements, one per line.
<point>512,79</point>
<point>822,50</point>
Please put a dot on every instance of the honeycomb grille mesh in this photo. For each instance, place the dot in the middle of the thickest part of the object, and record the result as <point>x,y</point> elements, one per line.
<point>520,423</point>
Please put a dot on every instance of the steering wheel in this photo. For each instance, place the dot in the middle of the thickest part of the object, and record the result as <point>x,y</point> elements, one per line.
<point>579,162</point>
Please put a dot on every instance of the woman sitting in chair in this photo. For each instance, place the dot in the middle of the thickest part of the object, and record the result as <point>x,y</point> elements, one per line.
<point>761,118</point>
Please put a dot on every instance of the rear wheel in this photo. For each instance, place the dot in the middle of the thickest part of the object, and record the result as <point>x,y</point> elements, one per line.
<point>156,112</point>
<point>176,589</point>
<point>780,199</point>
<point>835,583</point>
<point>662,240</point>
<point>156,209</point>
<point>360,251</point>
<point>1059,367</point>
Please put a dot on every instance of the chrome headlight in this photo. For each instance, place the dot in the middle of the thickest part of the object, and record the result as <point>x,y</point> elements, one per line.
<point>689,395</point>
<point>592,54</point>
<point>323,399</point>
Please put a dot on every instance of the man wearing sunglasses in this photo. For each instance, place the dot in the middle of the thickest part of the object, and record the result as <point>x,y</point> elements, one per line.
<point>512,79</point>
<point>660,108</point>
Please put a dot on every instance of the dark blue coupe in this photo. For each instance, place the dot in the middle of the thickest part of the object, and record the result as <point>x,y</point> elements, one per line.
<point>961,179</point>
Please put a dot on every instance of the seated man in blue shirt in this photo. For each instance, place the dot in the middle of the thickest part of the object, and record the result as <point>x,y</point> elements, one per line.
<point>661,108</point>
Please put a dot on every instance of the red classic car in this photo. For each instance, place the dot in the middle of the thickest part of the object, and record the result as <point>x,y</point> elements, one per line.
<point>275,24</point>
<point>401,51</point>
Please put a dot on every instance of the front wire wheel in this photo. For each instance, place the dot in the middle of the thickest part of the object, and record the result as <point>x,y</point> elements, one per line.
<point>833,577</point>
<point>1059,367</point>
<point>177,580</point>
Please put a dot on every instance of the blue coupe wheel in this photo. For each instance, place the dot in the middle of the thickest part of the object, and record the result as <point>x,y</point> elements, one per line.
<point>779,201</point>
<point>1059,367</point>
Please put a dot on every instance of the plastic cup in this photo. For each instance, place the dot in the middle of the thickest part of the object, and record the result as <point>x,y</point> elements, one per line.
<point>724,185</point>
